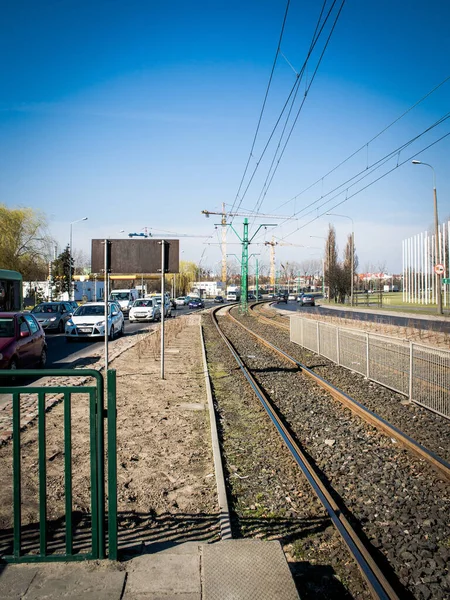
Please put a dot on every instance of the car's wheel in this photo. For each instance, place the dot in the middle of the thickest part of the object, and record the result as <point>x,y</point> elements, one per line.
<point>111,333</point>
<point>61,326</point>
<point>122,329</point>
<point>43,359</point>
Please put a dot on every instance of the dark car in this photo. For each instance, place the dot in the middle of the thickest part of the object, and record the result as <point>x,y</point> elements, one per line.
<point>306,300</point>
<point>251,296</point>
<point>219,299</point>
<point>22,342</point>
<point>196,303</point>
<point>282,297</point>
<point>53,315</point>
<point>73,304</point>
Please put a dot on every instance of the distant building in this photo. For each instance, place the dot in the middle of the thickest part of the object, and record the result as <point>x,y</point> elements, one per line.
<point>208,289</point>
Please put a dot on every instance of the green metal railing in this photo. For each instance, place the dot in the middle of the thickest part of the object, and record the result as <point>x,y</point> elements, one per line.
<point>97,415</point>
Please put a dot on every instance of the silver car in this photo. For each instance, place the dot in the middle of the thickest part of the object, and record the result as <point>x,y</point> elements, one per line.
<point>53,315</point>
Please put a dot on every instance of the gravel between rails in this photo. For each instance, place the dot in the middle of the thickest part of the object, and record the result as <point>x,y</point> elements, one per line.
<point>397,500</point>
<point>268,496</point>
<point>429,429</point>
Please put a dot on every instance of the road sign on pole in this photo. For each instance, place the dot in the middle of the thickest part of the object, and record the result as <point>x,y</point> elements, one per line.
<point>446,280</point>
<point>439,269</point>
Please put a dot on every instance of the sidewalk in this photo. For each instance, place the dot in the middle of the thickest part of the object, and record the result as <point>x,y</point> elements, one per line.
<point>237,569</point>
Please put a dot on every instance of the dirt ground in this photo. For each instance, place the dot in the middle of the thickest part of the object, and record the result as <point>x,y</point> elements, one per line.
<point>166,483</point>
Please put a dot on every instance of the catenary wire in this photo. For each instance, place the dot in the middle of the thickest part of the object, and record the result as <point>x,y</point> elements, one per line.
<point>314,40</point>
<point>366,143</point>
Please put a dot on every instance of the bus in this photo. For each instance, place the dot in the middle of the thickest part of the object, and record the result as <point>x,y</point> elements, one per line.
<point>11,292</point>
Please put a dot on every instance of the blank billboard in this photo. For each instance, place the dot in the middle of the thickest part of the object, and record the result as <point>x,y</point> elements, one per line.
<point>135,256</point>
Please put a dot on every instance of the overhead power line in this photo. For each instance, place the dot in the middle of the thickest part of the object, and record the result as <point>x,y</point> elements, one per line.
<point>294,90</point>
<point>366,144</point>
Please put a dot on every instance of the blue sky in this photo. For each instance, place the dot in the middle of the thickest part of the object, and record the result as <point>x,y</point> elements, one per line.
<point>143,113</point>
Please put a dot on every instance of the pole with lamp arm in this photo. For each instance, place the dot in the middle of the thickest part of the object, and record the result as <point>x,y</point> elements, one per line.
<point>71,291</point>
<point>436,236</point>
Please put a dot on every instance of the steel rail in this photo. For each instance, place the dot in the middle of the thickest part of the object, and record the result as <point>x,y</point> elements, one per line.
<point>438,463</point>
<point>379,587</point>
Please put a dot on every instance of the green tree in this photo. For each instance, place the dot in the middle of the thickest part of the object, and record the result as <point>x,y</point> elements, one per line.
<point>25,244</point>
<point>62,266</point>
<point>332,268</point>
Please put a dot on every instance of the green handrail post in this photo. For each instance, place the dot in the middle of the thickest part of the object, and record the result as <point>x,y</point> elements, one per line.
<point>112,465</point>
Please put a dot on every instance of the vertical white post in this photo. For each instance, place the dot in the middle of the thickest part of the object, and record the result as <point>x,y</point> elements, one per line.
<point>411,362</point>
<point>338,350</point>
<point>163,245</point>
<point>367,356</point>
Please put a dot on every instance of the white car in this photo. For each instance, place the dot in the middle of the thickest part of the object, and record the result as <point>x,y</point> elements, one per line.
<point>88,321</point>
<point>180,301</point>
<point>144,309</point>
<point>292,297</point>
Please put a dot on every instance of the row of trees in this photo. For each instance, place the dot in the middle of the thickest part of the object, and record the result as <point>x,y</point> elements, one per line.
<point>338,273</point>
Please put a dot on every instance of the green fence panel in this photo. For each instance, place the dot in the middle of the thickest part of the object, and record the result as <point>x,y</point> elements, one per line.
<point>97,414</point>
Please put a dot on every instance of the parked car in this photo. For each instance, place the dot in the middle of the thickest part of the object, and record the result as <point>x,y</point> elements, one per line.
<point>196,303</point>
<point>88,321</point>
<point>53,315</point>
<point>306,300</point>
<point>219,299</point>
<point>144,309</point>
<point>22,342</point>
<point>282,297</point>
<point>180,301</point>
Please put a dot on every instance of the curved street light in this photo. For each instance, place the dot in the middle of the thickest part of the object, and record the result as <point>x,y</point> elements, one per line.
<point>436,236</point>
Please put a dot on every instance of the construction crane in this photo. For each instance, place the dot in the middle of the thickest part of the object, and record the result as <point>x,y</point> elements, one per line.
<point>272,245</point>
<point>224,215</point>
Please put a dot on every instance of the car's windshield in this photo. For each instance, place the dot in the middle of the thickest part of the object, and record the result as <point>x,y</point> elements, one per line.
<point>6,327</point>
<point>144,302</point>
<point>46,308</point>
<point>91,311</point>
<point>120,296</point>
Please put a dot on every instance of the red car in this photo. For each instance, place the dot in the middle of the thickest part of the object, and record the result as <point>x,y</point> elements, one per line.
<point>22,342</point>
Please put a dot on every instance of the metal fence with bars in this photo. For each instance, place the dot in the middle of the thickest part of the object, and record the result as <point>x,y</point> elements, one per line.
<point>419,372</point>
<point>36,530</point>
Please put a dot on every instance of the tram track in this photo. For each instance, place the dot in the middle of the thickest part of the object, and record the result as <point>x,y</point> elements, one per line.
<point>377,581</point>
<point>437,462</point>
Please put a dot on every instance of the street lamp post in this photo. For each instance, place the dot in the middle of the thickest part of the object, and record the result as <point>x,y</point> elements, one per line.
<point>71,294</point>
<point>436,236</point>
<point>352,252</point>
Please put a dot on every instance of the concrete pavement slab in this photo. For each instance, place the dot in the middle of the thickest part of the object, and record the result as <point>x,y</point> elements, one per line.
<point>248,570</point>
<point>15,581</point>
<point>72,581</point>
<point>164,575</point>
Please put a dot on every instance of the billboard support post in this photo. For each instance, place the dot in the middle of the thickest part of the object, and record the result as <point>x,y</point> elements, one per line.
<point>106,294</point>
<point>163,302</point>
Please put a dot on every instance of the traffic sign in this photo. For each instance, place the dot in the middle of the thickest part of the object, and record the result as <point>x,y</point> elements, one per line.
<point>439,269</point>
<point>446,280</point>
